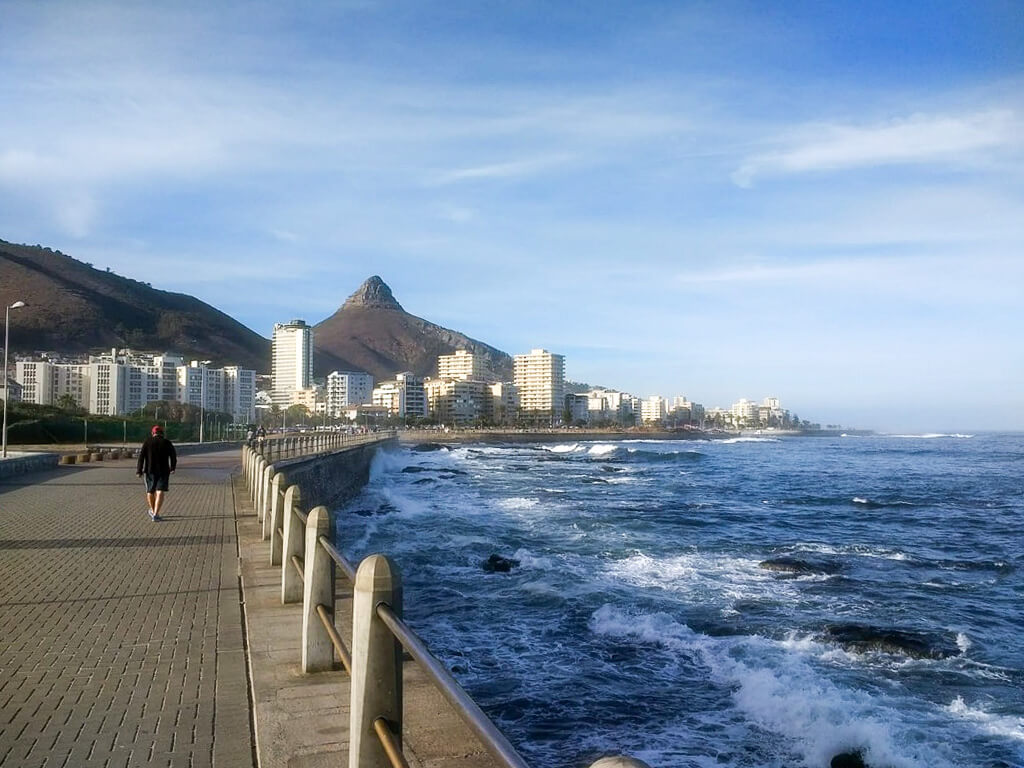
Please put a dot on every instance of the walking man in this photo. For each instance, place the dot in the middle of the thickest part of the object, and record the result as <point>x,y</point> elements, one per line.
<point>157,460</point>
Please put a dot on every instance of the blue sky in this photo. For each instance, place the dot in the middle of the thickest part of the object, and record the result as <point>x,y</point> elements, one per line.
<point>818,201</point>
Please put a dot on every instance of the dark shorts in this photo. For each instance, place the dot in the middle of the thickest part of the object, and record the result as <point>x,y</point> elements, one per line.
<point>156,483</point>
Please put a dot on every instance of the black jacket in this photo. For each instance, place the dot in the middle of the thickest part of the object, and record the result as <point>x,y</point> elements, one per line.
<point>157,456</point>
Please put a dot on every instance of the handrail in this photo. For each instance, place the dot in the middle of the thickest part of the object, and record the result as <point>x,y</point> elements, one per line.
<point>332,632</point>
<point>297,562</point>
<point>391,746</point>
<point>338,558</point>
<point>494,740</point>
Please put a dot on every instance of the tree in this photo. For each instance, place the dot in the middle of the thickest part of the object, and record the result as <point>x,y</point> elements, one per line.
<point>296,414</point>
<point>67,402</point>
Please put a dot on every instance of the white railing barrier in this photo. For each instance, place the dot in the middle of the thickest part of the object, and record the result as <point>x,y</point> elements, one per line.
<point>291,546</point>
<point>377,663</point>
<point>317,594</point>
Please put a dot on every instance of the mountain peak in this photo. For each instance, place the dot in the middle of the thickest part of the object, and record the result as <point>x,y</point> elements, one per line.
<point>374,292</point>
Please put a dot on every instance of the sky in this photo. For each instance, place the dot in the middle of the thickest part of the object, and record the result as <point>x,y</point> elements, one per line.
<point>817,201</point>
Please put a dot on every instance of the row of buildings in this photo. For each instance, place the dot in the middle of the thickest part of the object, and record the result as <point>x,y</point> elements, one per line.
<point>124,381</point>
<point>465,390</point>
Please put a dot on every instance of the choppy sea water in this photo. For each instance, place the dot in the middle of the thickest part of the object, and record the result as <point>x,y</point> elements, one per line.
<point>640,620</point>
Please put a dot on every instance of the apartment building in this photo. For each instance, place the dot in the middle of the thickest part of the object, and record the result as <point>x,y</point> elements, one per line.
<point>464,366</point>
<point>347,388</point>
<point>124,382</point>
<point>404,396</point>
<point>291,360</point>
<point>652,409</point>
<point>540,378</point>
<point>458,401</point>
<point>240,394</point>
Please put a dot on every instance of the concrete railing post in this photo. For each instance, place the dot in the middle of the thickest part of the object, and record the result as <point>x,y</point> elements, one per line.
<point>291,545</point>
<point>268,480</point>
<point>261,464</point>
<point>317,589</point>
<point>273,519</point>
<point>618,761</point>
<point>376,662</point>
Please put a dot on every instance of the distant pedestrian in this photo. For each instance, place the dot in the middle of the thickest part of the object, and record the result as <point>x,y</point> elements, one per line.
<point>261,435</point>
<point>157,460</point>
<point>250,436</point>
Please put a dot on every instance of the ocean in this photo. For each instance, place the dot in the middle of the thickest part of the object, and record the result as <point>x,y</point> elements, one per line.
<point>767,602</point>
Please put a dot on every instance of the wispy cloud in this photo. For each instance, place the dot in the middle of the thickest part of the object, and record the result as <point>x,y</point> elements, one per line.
<point>509,170</point>
<point>950,139</point>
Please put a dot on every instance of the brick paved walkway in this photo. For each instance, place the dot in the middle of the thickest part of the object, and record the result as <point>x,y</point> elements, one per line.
<point>121,639</point>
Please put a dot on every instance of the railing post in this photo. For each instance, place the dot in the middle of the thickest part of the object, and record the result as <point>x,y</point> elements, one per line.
<point>317,589</point>
<point>273,519</point>
<point>291,584</point>
<point>376,662</point>
<point>268,480</point>
<point>261,463</point>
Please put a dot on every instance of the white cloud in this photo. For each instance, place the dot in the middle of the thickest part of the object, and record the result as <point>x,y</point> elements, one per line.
<point>508,170</point>
<point>917,139</point>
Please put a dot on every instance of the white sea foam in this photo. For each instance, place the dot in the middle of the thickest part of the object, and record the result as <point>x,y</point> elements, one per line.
<point>934,436</point>
<point>561,448</point>
<point>516,503</point>
<point>963,642</point>
<point>602,449</point>
<point>387,462</point>
<point>733,440</point>
<point>1007,726</point>
<point>702,577</point>
<point>778,691</point>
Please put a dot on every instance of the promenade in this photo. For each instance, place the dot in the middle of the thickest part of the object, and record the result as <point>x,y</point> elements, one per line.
<point>125,642</point>
<point>121,639</point>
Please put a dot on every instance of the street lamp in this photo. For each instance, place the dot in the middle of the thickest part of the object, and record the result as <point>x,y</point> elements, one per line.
<point>202,395</point>
<point>7,328</point>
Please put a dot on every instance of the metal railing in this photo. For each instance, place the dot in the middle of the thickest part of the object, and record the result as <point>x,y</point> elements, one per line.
<point>301,544</point>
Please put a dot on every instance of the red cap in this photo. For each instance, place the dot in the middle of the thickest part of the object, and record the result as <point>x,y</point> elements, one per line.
<point>156,429</point>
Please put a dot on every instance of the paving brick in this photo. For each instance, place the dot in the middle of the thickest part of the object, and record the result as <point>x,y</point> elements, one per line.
<point>112,624</point>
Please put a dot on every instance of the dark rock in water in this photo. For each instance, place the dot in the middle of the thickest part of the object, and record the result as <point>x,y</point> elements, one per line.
<point>499,564</point>
<point>864,638</point>
<point>425,480</point>
<point>848,760</point>
<point>427,447</point>
<point>799,566</point>
<point>411,470</point>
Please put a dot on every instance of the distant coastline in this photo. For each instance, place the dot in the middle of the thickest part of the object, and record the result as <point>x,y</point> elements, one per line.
<point>415,436</point>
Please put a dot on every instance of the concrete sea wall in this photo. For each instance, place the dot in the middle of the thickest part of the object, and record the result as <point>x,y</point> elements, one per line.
<point>25,463</point>
<point>330,478</point>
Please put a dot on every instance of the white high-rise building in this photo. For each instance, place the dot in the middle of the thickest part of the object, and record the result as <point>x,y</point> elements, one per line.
<point>345,388</point>
<point>292,359</point>
<point>37,381</point>
<point>463,366</point>
<point>240,394</point>
<point>540,379</point>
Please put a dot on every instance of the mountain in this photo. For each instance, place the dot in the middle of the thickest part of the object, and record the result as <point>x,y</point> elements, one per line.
<point>371,332</point>
<point>73,308</point>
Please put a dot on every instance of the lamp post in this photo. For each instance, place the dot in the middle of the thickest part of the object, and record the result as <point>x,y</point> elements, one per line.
<point>7,328</point>
<point>202,395</point>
